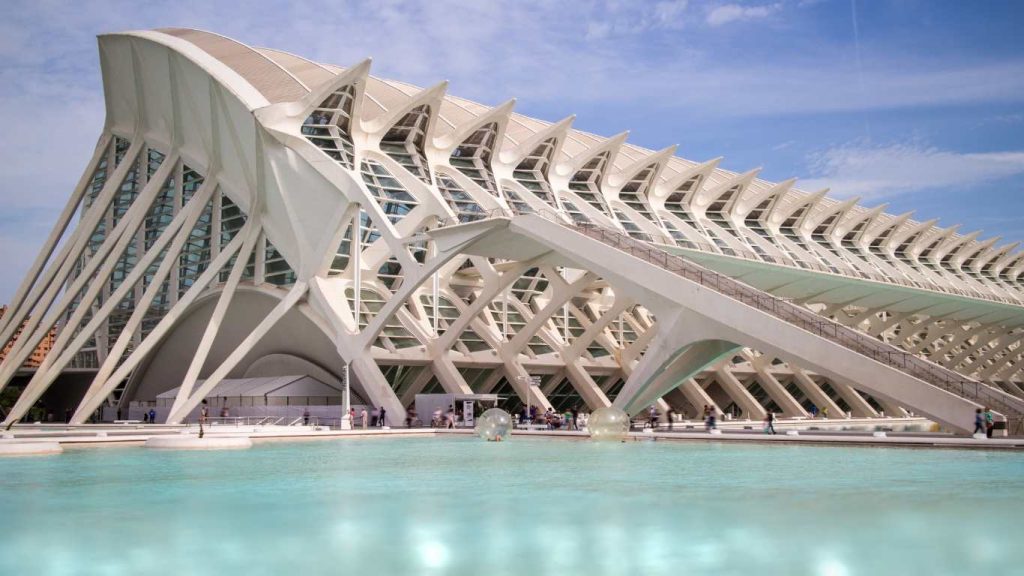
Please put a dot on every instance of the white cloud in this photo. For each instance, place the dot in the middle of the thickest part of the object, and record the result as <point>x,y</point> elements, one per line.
<point>726,13</point>
<point>670,13</point>
<point>612,18</point>
<point>618,55</point>
<point>880,171</point>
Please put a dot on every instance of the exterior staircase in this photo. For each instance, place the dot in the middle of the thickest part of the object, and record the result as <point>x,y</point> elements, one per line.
<point>1011,407</point>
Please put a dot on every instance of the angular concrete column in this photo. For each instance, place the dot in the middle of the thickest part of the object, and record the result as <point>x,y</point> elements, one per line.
<point>815,393</point>
<point>781,396</point>
<point>859,407</point>
<point>696,396</point>
<point>587,388</point>
<point>752,409</point>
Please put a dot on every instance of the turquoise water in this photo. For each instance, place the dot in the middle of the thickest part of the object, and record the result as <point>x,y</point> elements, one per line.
<point>462,506</point>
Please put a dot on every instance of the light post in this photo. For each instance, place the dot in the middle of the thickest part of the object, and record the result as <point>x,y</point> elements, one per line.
<point>357,281</point>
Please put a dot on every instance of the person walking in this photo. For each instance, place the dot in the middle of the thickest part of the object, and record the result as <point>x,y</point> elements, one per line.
<point>383,413</point>
<point>990,422</point>
<point>709,421</point>
<point>152,417</point>
<point>824,412</point>
<point>365,416</point>
<point>671,415</point>
<point>575,418</point>
<point>769,423</point>
<point>305,416</point>
<point>652,417</point>
<point>979,421</point>
<point>204,412</point>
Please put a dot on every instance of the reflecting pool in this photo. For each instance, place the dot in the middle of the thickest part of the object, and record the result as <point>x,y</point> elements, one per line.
<point>522,507</point>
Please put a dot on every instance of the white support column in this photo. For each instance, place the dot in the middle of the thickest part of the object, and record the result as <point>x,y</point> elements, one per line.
<point>448,375</point>
<point>697,396</point>
<point>43,293</point>
<point>557,303</point>
<point>345,423</point>
<point>637,348</point>
<point>492,380</point>
<point>489,292</point>
<point>59,228</point>
<point>970,348</point>
<point>1007,343</point>
<point>858,405</point>
<point>178,229</point>
<point>781,396</point>
<point>190,214</point>
<point>219,311</point>
<point>519,378</point>
<point>593,331</point>
<point>422,379</point>
<point>587,388</point>
<point>813,391</point>
<point>100,389</point>
<point>108,254</point>
<point>752,409</point>
<point>994,371</point>
<point>236,356</point>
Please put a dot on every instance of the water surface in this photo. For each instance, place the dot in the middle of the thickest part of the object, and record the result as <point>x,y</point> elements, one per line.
<point>523,507</point>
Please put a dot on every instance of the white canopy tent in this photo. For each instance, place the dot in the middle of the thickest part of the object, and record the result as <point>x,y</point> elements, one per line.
<point>271,391</point>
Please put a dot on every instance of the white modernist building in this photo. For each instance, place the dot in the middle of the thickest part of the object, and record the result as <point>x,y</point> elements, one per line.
<point>238,196</point>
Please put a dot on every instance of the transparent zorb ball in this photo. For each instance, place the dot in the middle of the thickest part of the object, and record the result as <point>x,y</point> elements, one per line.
<point>608,424</point>
<point>493,425</point>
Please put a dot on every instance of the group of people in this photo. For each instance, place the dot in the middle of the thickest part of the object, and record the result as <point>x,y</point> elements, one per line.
<point>708,413</point>
<point>984,421</point>
<point>654,417</point>
<point>378,419</point>
<point>566,420</point>
<point>814,412</point>
<point>710,418</point>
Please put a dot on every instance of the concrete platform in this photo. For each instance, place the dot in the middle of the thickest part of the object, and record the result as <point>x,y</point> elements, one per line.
<point>88,436</point>
<point>194,442</point>
<point>28,448</point>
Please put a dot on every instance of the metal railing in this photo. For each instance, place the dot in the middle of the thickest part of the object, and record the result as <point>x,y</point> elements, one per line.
<point>226,421</point>
<point>849,338</point>
<point>915,366</point>
<point>922,369</point>
<point>745,254</point>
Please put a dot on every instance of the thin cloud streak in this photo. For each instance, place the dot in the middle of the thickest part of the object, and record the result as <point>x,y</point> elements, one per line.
<point>730,13</point>
<point>875,172</point>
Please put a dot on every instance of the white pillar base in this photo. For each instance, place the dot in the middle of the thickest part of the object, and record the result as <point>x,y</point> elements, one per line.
<point>346,422</point>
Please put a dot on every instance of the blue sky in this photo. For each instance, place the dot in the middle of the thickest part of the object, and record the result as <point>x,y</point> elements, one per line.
<point>917,103</point>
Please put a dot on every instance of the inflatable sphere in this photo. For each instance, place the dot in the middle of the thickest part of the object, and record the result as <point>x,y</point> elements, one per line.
<point>608,424</point>
<point>493,425</point>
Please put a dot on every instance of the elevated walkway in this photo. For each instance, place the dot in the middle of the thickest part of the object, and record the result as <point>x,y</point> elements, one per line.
<point>704,316</point>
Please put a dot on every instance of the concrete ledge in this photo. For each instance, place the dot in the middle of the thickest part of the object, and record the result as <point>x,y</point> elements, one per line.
<point>183,442</point>
<point>88,437</point>
<point>10,448</point>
